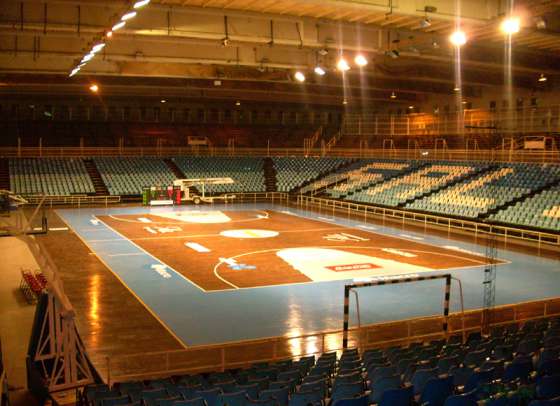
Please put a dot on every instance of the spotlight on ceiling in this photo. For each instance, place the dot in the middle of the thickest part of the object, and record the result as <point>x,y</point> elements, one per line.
<point>458,38</point>
<point>141,3</point>
<point>425,22</point>
<point>456,88</point>
<point>393,95</point>
<point>118,26</point>
<point>411,107</point>
<point>323,51</point>
<point>342,65</point>
<point>319,71</point>
<point>299,76</point>
<point>435,44</point>
<point>542,78</point>
<point>345,102</point>
<point>94,88</point>
<point>74,72</point>
<point>510,25</point>
<point>163,101</point>
<point>360,60</point>
<point>238,103</point>
<point>97,47</point>
<point>393,53</point>
<point>109,34</point>
<point>128,16</point>
<point>87,58</point>
<point>540,23</point>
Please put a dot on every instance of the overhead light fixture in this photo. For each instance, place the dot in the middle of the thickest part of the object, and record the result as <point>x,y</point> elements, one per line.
<point>299,76</point>
<point>141,3</point>
<point>425,22</point>
<point>118,26</point>
<point>163,101</point>
<point>74,72</point>
<point>393,53</point>
<point>542,78</point>
<point>342,65</point>
<point>225,42</point>
<point>393,95</point>
<point>128,16</point>
<point>464,102</point>
<point>360,60</point>
<point>319,70</point>
<point>435,44</point>
<point>238,103</point>
<point>456,89</point>
<point>510,25</point>
<point>97,47</point>
<point>109,34</point>
<point>87,58</point>
<point>540,23</point>
<point>323,51</point>
<point>458,38</point>
<point>94,88</point>
<point>345,102</point>
<point>411,107</point>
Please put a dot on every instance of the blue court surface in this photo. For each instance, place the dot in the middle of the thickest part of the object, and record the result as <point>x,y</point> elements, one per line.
<point>197,317</point>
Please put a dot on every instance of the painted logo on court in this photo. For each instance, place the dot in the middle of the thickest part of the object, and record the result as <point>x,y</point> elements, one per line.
<point>338,237</point>
<point>249,233</point>
<point>352,267</point>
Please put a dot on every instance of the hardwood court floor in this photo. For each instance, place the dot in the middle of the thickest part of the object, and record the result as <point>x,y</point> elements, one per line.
<point>246,249</point>
<point>110,319</point>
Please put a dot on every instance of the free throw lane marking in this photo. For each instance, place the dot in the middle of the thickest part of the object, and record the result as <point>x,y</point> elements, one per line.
<point>197,247</point>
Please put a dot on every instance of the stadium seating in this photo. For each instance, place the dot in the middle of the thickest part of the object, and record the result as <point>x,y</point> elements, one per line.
<point>247,173</point>
<point>355,379</point>
<point>477,196</point>
<point>402,189</point>
<point>369,174</point>
<point>541,211</point>
<point>50,176</point>
<point>292,172</point>
<point>127,176</point>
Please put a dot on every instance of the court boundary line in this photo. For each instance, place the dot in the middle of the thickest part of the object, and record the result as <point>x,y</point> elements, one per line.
<point>148,308</point>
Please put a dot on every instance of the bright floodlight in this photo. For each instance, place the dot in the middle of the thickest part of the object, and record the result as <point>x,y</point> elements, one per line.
<point>141,3</point>
<point>128,16</point>
<point>118,26</point>
<point>360,60</point>
<point>510,26</point>
<point>74,71</point>
<point>94,88</point>
<point>300,77</point>
<point>342,65</point>
<point>88,57</point>
<point>458,38</point>
<point>319,71</point>
<point>542,78</point>
<point>97,47</point>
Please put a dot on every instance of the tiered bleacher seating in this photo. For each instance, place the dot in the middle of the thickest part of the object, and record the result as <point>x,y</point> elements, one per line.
<point>292,172</point>
<point>541,211</point>
<point>127,176</point>
<point>368,175</point>
<point>50,176</point>
<point>402,189</point>
<point>490,190</point>
<point>513,366</point>
<point>246,172</point>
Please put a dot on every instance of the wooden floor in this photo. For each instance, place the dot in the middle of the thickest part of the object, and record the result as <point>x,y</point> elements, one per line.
<point>110,319</point>
<point>165,238</point>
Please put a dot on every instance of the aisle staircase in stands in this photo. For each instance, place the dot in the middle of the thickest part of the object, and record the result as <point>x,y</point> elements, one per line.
<point>95,176</point>
<point>179,174</point>
<point>269,175</point>
<point>4,174</point>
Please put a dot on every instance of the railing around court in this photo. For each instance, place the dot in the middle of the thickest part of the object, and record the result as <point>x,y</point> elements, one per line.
<point>241,354</point>
<point>428,154</point>
<point>73,200</point>
<point>366,211</point>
